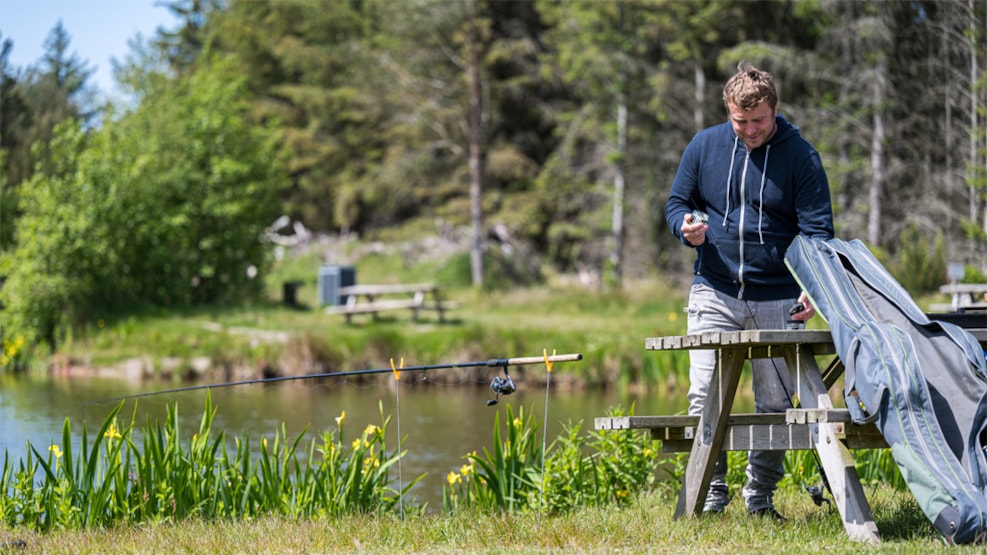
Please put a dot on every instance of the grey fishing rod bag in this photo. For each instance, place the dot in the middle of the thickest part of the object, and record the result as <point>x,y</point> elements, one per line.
<point>922,382</point>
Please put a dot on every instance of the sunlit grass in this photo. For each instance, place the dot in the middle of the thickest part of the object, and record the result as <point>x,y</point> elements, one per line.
<point>645,525</point>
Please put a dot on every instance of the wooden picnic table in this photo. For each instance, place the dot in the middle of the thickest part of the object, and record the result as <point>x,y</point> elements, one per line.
<point>815,425</point>
<point>966,295</point>
<point>363,299</point>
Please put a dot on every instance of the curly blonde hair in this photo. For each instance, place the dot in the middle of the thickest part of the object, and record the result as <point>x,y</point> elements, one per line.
<point>749,87</point>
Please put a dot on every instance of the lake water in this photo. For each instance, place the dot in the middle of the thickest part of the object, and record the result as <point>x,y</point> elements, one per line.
<point>441,423</point>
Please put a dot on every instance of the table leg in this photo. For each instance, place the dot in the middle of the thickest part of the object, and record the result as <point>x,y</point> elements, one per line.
<point>834,457</point>
<point>710,432</point>
<point>438,304</point>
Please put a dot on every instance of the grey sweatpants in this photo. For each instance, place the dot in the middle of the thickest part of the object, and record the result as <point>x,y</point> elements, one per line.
<point>710,310</point>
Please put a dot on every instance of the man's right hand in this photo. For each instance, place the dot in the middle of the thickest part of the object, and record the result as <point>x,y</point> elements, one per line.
<point>694,233</point>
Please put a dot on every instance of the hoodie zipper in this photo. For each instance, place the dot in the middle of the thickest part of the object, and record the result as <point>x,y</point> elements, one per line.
<point>740,226</point>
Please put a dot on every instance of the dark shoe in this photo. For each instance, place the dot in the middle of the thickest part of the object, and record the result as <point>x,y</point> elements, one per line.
<point>711,509</point>
<point>768,512</point>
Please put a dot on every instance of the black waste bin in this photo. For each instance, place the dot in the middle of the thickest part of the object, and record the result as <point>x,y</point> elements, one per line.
<point>289,292</point>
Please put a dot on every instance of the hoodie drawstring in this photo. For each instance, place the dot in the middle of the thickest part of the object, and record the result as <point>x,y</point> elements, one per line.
<point>760,200</point>
<point>733,156</point>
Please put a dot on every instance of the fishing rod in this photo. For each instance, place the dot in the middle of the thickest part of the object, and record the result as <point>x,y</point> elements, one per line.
<point>499,385</point>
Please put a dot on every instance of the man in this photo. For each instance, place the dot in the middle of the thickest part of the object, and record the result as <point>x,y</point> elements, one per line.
<point>761,184</point>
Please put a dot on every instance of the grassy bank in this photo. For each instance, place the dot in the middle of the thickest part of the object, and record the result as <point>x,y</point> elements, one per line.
<point>267,337</point>
<point>644,526</point>
<point>606,325</point>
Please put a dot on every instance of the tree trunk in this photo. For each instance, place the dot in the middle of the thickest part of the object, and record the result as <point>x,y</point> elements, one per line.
<point>976,193</point>
<point>877,156</point>
<point>616,258</point>
<point>617,219</point>
<point>700,95</point>
<point>475,139</point>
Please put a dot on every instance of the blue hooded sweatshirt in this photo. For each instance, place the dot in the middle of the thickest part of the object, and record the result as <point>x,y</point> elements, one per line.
<point>757,203</point>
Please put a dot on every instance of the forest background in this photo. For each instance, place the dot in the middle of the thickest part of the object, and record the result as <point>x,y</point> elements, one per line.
<point>537,138</point>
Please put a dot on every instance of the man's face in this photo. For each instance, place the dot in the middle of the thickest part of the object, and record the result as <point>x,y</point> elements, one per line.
<point>754,127</point>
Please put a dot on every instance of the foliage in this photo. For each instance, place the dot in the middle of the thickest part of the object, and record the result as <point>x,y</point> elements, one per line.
<point>33,103</point>
<point>607,467</point>
<point>13,355</point>
<point>502,480</point>
<point>619,467</point>
<point>369,102</point>
<point>114,481</point>
<point>972,274</point>
<point>921,267</point>
<point>877,466</point>
<point>164,207</point>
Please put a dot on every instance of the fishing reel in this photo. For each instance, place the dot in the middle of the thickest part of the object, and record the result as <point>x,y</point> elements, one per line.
<point>501,386</point>
<point>791,323</point>
<point>817,495</point>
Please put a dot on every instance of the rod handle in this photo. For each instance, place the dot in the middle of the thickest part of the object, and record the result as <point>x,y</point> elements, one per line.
<point>534,360</point>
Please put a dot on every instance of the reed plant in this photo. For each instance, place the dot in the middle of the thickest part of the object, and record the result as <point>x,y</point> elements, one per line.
<point>112,480</point>
<point>503,478</point>
<point>125,476</point>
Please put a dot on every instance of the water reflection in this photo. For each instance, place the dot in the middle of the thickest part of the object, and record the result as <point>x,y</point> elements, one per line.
<point>441,423</point>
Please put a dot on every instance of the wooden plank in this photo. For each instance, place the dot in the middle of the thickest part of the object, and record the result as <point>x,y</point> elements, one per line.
<point>773,431</point>
<point>832,373</point>
<point>811,416</point>
<point>643,422</point>
<point>611,423</point>
<point>441,305</point>
<point>386,289</point>
<point>713,339</point>
<point>785,337</point>
<point>712,431</point>
<point>374,306</point>
<point>834,455</point>
<point>676,445</point>
<point>965,288</point>
<point>683,421</point>
<point>818,342</point>
<point>770,438</point>
<point>819,339</point>
<point>848,492</point>
<point>355,303</point>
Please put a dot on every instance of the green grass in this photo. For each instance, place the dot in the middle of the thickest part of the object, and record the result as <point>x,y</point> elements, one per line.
<point>643,526</point>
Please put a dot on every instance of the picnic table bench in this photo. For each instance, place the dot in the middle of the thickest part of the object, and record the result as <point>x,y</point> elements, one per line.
<point>816,424</point>
<point>364,299</point>
<point>964,296</point>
